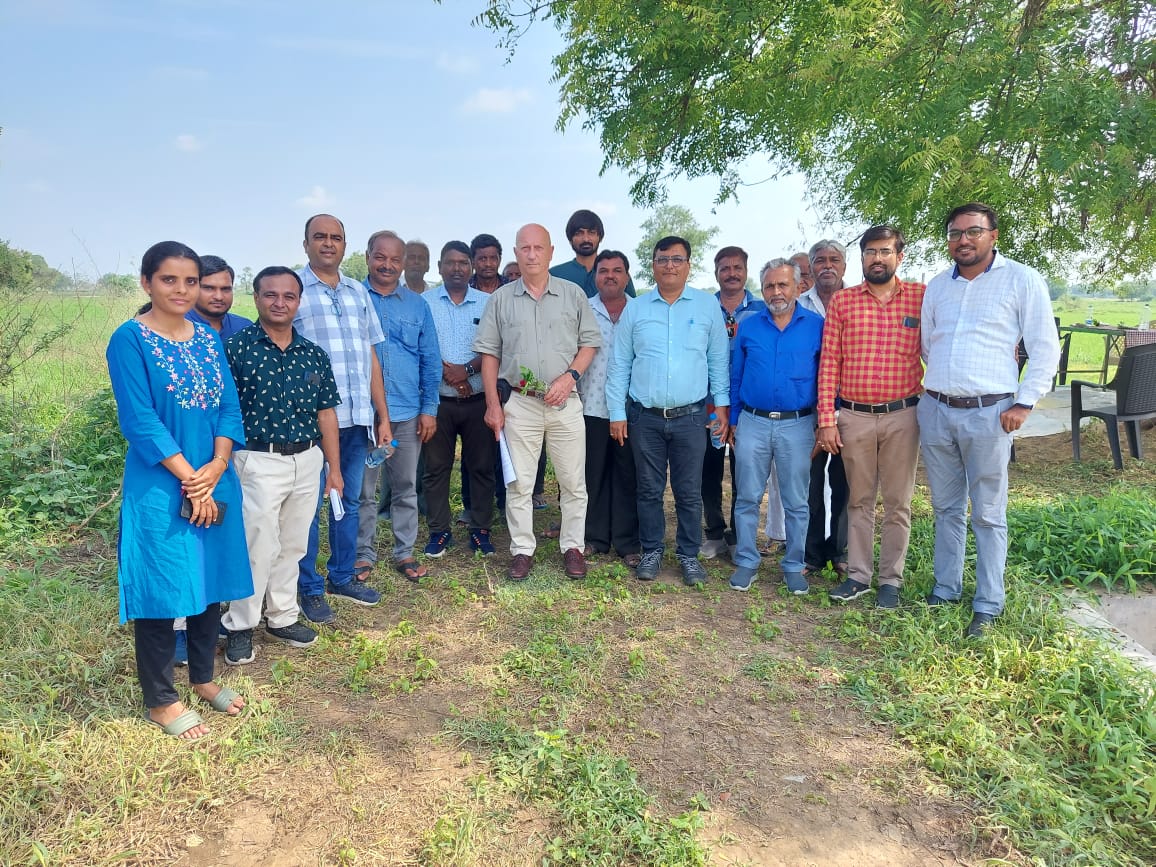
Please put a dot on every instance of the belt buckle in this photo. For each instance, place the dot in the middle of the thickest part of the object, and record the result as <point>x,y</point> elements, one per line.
<point>666,412</point>
<point>774,416</point>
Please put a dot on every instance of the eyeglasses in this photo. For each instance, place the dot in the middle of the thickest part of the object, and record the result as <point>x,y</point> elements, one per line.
<point>676,261</point>
<point>333,300</point>
<point>973,233</point>
<point>732,324</point>
<point>881,252</point>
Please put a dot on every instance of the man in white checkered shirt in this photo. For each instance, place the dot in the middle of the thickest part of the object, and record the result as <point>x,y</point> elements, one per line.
<point>974,315</point>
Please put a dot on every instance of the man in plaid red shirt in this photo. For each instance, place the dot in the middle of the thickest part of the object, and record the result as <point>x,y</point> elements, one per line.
<point>871,363</point>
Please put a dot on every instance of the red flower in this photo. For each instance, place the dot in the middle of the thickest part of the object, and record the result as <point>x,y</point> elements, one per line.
<point>522,384</point>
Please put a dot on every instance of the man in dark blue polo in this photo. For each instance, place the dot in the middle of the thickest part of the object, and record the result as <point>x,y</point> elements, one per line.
<point>774,381</point>
<point>585,233</point>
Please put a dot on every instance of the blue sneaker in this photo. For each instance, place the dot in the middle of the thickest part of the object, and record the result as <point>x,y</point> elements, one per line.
<point>181,656</point>
<point>480,542</point>
<point>438,542</point>
<point>316,609</point>
<point>796,583</point>
<point>743,578</point>
<point>354,591</point>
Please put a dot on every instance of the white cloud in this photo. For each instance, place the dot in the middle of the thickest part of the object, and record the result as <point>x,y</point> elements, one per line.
<point>496,101</point>
<point>459,65</point>
<point>318,197</point>
<point>188,143</point>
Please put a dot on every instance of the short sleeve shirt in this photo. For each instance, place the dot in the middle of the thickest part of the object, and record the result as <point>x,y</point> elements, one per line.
<point>281,391</point>
<point>543,335</point>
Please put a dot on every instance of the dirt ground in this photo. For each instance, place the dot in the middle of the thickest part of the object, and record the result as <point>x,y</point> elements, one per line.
<point>790,773</point>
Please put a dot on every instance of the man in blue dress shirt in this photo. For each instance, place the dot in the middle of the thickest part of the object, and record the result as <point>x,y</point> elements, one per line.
<point>670,351</point>
<point>216,298</point>
<point>774,379</point>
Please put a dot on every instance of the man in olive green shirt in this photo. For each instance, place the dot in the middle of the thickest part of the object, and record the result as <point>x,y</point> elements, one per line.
<point>545,326</point>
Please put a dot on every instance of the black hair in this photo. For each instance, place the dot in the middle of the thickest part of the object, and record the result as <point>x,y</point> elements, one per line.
<point>670,241</point>
<point>612,254</point>
<point>727,252</point>
<point>482,241</point>
<point>972,208</point>
<point>584,219</point>
<point>277,271</point>
<point>151,261</point>
<point>459,246</point>
<point>882,232</point>
<point>215,265</point>
<point>315,216</point>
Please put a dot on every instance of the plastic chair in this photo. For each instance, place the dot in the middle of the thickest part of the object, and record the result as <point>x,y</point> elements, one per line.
<point>1135,388</point>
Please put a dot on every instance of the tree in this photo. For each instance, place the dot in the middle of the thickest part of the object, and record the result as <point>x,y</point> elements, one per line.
<point>355,266</point>
<point>894,112</point>
<point>672,220</point>
<point>244,284</point>
<point>118,284</point>
<point>22,332</point>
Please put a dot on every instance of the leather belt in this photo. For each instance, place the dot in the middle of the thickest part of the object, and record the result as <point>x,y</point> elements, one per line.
<point>537,395</point>
<point>674,411</point>
<point>282,448</point>
<point>779,416</point>
<point>480,395</point>
<point>877,408</point>
<point>968,402</point>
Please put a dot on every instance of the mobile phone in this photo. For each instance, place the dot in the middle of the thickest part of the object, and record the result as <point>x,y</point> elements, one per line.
<point>186,511</point>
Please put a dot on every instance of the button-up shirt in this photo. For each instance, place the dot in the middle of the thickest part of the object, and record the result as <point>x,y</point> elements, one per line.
<point>542,334</point>
<point>231,323</point>
<point>810,300</point>
<point>870,349</point>
<point>410,360</point>
<point>592,386</point>
<point>970,330</point>
<point>776,370</point>
<point>668,355</point>
<point>457,325</point>
<point>576,273</point>
<point>280,390</point>
<point>343,323</point>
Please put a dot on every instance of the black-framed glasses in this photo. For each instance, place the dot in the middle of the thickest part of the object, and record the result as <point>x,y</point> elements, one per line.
<point>973,233</point>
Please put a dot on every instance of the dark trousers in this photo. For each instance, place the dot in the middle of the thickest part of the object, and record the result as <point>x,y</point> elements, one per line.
<point>822,548</point>
<point>500,482</point>
<point>464,418</point>
<point>676,443</point>
<point>612,507</point>
<point>155,645</point>
<point>713,469</point>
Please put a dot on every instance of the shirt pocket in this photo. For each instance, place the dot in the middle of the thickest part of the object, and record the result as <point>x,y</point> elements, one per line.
<point>697,337</point>
<point>405,334</point>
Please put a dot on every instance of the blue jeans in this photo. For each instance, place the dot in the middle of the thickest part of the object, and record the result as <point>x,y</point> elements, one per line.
<point>965,454</point>
<point>788,443</point>
<point>354,442</point>
<point>658,443</point>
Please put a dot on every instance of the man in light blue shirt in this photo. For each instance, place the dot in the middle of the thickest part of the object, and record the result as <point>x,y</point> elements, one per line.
<point>670,351</point>
<point>411,364</point>
<point>336,314</point>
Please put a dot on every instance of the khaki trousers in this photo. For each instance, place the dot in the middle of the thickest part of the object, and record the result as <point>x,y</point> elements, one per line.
<point>880,453</point>
<point>528,421</point>
<point>279,501</point>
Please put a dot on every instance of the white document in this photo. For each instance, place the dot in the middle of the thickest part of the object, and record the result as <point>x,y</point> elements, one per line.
<point>508,474</point>
<point>335,501</point>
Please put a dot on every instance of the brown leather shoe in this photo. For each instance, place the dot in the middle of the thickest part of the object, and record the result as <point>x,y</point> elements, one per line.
<point>574,563</point>
<point>520,567</point>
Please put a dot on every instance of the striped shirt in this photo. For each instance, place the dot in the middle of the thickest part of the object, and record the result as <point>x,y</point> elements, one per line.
<point>343,323</point>
<point>870,349</point>
<point>971,328</point>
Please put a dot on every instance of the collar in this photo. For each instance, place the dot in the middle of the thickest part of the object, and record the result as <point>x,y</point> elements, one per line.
<point>398,292</point>
<point>748,300</point>
<point>440,291</point>
<point>264,337</point>
<point>309,278</point>
<point>997,261</point>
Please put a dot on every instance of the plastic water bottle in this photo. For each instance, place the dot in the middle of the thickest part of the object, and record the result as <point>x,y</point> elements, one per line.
<point>1089,319</point>
<point>714,439</point>
<point>1146,318</point>
<point>381,454</point>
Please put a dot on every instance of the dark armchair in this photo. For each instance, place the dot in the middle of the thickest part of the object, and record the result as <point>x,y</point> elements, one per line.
<point>1135,388</point>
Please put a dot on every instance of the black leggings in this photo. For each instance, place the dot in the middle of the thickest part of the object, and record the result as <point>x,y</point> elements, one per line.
<point>156,644</point>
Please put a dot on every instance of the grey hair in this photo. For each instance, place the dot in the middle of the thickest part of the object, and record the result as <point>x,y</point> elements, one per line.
<point>826,244</point>
<point>781,263</point>
<point>377,236</point>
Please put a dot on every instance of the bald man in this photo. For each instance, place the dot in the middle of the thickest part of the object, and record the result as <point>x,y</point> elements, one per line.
<point>543,326</point>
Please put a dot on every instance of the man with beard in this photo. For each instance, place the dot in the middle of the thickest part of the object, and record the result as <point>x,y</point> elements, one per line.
<point>584,232</point>
<point>216,298</point>
<point>871,363</point>
<point>411,364</point>
<point>974,315</point>
<point>827,531</point>
<point>730,271</point>
<point>774,370</point>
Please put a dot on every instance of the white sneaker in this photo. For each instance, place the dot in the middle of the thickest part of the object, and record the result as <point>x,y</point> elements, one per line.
<point>711,548</point>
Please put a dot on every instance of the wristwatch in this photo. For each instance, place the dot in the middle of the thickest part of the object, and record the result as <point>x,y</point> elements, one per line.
<point>470,368</point>
<point>574,373</point>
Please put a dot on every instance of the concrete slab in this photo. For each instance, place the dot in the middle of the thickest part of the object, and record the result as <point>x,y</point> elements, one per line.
<point>1053,413</point>
<point>1125,621</point>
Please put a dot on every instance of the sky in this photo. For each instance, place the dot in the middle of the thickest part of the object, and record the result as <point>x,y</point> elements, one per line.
<point>226,123</point>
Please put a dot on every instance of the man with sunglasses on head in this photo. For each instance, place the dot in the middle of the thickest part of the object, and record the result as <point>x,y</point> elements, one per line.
<point>337,315</point>
<point>737,302</point>
<point>974,315</point>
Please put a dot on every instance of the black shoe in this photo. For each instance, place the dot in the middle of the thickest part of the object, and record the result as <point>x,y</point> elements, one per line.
<point>849,590</point>
<point>295,634</point>
<point>648,566</point>
<point>934,601</point>
<point>239,647</point>
<point>980,623</point>
<point>887,596</point>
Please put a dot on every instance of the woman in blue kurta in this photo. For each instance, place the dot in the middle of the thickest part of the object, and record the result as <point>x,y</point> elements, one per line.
<point>177,407</point>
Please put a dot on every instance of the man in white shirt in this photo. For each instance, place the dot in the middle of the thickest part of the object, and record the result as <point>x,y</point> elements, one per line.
<point>974,315</point>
